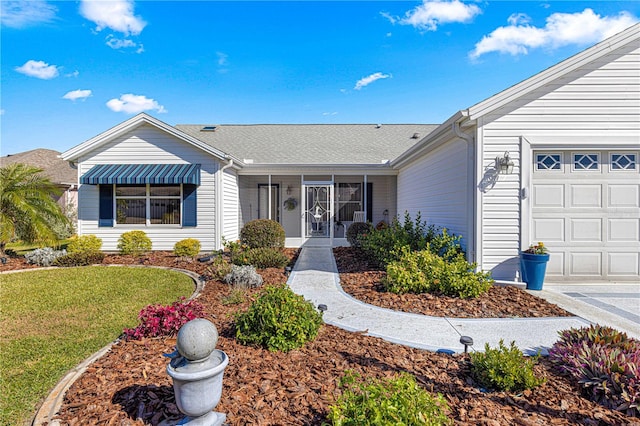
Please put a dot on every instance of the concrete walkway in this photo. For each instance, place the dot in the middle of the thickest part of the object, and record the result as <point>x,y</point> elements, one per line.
<point>315,276</point>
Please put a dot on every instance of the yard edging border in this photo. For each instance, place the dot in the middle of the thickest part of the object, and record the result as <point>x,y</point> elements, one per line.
<point>46,412</point>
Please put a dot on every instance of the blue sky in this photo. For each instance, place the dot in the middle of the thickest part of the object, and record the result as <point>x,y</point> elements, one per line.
<point>72,69</point>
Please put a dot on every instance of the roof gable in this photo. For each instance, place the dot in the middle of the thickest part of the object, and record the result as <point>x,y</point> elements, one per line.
<point>131,124</point>
<point>624,38</point>
<point>53,167</point>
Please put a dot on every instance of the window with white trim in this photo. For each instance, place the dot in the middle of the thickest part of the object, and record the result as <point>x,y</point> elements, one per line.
<point>549,161</point>
<point>348,200</point>
<point>624,161</point>
<point>148,204</point>
<point>587,161</point>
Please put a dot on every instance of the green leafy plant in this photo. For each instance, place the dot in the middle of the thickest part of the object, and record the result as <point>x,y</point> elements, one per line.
<point>134,242</point>
<point>278,320</point>
<point>605,362</point>
<point>539,248</point>
<point>189,247</point>
<point>426,272</point>
<point>263,257</point>
<point>260,233</point>
<point>84,244</point>
<point>218,268</point>
<point>394,401</point>
<point>504,368</point>
<point>80,258</point>
<point>356,230</point>
<point>237,296</point>
<point>384,244</point>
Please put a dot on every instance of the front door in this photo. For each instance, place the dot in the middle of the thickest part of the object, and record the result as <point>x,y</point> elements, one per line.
<point>318,210</point>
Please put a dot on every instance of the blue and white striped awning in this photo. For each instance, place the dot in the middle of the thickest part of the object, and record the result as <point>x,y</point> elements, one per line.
<point>139,174</point>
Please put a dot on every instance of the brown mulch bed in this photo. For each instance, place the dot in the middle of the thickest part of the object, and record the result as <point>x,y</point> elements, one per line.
<point>129,385</point>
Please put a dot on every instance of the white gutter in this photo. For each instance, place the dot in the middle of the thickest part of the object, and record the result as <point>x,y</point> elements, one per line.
<point>474,215</point>
<point>219,226</point>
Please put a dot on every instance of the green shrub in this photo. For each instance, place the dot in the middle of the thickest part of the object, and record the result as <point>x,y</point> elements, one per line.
<point>134,242</point>
<point>605,362</point>
<point>218,268</point>
<point>278,320</point>
<point>504,369</point>
<point>189,247</point>
<point>263,258</point>
<point>384,245</point>
<point>44,256</point>
<point>80,258</point>
<point>260,233</point>
<point>356,230</point>
<point>394,401</point>
<point>425,272</point>
<point>84,244</point>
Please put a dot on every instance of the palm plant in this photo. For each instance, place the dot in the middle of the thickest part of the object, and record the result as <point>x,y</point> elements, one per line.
<point>28,211</point>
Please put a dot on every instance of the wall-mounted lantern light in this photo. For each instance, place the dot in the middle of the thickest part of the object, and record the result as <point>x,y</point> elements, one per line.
<point>504,164</point>
<point>289,190</point>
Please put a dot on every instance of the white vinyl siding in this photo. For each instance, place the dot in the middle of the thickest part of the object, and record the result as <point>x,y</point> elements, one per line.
<point>231,206</point>
<point>587,109</point>
<point>435,185</point>
<point>147,144</point>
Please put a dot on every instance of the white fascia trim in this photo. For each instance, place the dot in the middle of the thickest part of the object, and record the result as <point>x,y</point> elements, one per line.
<point>623,38</point>
<point>125,126</point>
<point>441,134</point>
<point>297,169</point>
<point>583,146</point>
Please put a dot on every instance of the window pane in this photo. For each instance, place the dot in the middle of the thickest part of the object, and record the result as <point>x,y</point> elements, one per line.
<point>165,211</point>
<point>346,211</point>
<point>131,190</point>
<point>131,211</point>
<point>349,192</point>
<point>164,191</point>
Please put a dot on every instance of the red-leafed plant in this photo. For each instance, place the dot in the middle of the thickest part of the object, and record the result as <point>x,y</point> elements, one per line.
<point>160,320</point>
<point>605,362</point>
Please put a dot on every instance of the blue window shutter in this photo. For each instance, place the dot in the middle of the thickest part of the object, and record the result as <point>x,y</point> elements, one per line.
<point>106,206</point>
<point>189,205</point>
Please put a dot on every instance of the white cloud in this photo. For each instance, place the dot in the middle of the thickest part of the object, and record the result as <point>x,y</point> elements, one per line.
<point>561,29</point>
<point>133,104</point>
<point>365,81</point>
<point>430,14</point>
<point>330,113</point>
<point>117,43</point>
<point>73,74</point>
<point>223,59</point>
<point>24,13</point>
<point>77,94</point>
<point>38,69</point>
<point>114,14</point>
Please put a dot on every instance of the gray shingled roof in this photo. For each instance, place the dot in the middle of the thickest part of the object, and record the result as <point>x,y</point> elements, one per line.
<point>57,170</point>
<point>311,143</point>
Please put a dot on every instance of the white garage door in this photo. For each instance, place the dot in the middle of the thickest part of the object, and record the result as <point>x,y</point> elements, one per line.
<point>586,208</point>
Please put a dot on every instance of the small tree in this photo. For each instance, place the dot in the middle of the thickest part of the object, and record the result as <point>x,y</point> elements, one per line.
<point>28,211</point>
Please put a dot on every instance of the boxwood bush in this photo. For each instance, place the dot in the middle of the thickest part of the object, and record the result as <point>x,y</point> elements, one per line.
<point>387,402</point>
<point>426,272</point>
<point>262,257</point>
<point>84,244</point>
<point>189,247</point>
<point>278,320</point>
<point>134,242</point>
<point>504,368</point>
<point>260,233</point>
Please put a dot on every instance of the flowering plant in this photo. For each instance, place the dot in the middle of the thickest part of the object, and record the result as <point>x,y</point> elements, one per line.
<point>539,248</point>
<point>159,320</point>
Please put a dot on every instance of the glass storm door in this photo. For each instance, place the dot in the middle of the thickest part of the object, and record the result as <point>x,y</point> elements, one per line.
<point>317,213</point>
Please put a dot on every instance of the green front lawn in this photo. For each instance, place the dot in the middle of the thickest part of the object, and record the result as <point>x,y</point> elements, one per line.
<point>52,320</point>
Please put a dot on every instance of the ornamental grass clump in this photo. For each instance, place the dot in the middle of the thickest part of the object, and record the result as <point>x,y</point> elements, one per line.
<point>425,272</point>
<point>398,400</point>
<point>164,321</point>
<point>278,320</point>
<point>504,369</point>
<point>262,257</point>
<point>605,362</point>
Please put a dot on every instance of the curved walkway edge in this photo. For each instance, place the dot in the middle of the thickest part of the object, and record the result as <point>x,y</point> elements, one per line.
<point>52,403</point>
<point>315,277</point>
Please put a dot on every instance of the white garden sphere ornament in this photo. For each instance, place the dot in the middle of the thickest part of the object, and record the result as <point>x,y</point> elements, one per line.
<point>197,339</point>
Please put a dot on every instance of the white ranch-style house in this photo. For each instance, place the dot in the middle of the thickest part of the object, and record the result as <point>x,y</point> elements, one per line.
<point>554,158</point>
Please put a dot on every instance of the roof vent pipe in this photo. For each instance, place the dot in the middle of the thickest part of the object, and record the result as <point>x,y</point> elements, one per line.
<point>415,135</point>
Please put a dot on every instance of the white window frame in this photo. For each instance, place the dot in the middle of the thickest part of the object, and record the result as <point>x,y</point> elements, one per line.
<point>598,155</point>
<point>148,198</point>
<point>635,164</point>
<point>558,170</point>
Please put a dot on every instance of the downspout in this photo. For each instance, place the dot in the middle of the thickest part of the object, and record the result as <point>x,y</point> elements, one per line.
<point>219,226</point>
<point>472,255</point>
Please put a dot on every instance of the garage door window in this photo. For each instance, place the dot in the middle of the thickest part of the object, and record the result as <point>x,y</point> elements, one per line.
<point>548,161</point>
<point>624,161</point>
<point>586,161</point>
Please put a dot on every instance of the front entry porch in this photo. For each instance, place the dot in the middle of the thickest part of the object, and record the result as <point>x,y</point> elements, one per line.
<point>316,210</point>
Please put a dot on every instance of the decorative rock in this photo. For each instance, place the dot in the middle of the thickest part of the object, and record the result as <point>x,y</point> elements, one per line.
<point>197,339</point>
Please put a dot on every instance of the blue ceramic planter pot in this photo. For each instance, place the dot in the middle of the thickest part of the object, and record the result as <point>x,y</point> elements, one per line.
<point>532,269</point>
